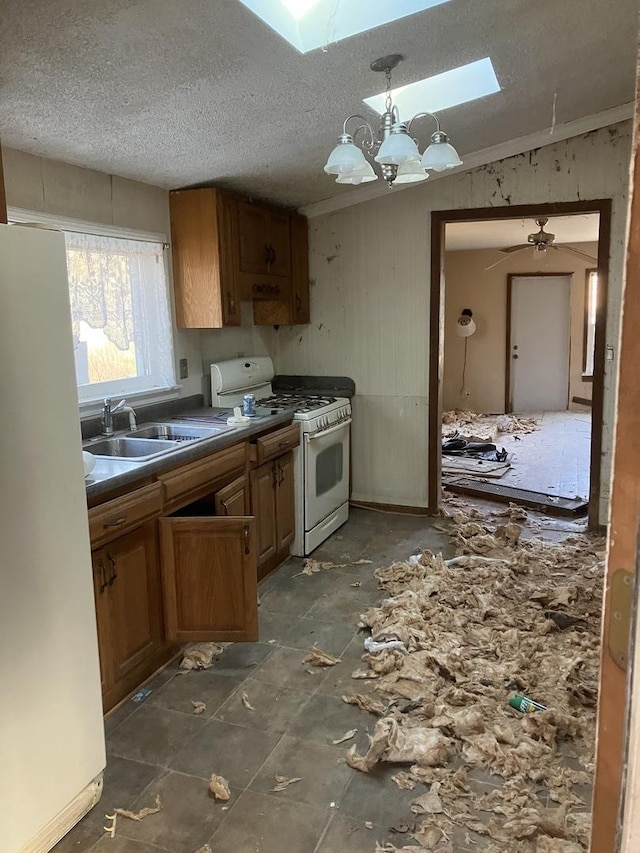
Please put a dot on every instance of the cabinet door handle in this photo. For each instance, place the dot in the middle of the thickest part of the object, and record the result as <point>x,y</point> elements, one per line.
<point>274,477</point>
<point>298,303</point>
<point>280,475</point>
<point>267,254</point>
<point>114,569</point>
<point>247,539</point>
<point>231,303</point>
<point>116,522</point>
<point>103,577</point>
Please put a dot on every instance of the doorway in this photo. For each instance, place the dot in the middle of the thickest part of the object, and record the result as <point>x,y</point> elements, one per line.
<point>550,346</point>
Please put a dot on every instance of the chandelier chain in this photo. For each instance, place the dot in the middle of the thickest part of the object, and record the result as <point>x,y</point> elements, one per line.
<point>388,102</point>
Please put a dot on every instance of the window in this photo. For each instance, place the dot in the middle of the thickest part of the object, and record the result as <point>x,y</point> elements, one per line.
<point>120,315</point>
<point>590,310</point>
<point>310,24</point>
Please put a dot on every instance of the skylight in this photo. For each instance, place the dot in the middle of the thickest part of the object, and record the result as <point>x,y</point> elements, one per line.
<point>310,24</point>
<point>433,94</point>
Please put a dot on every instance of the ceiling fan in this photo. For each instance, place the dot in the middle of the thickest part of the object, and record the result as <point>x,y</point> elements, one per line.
<point>540,241</point>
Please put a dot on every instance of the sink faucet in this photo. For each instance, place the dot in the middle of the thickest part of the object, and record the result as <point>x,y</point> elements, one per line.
<point>108,411</point>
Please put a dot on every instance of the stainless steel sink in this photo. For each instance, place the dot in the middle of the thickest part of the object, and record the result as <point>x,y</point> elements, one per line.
<point>176,432</point>
<point>130,448</point>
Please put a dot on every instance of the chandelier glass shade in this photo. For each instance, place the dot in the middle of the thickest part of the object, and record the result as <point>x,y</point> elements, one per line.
<point>392,147</point>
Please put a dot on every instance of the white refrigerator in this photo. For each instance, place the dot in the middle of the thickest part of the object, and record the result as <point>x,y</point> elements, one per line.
<point>51,729</point>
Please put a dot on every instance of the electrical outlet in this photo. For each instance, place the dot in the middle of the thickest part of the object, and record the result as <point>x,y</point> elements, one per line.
<point>184,368</point>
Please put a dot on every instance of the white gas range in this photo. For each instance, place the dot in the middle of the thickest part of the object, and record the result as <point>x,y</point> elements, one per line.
<point>321,463</point>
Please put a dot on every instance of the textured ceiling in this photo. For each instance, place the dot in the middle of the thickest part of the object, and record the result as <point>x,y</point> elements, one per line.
<point>182,93</point>
<point>500,233</point>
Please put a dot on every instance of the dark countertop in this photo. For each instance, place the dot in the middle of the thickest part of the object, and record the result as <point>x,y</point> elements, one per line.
<point>111,474</point>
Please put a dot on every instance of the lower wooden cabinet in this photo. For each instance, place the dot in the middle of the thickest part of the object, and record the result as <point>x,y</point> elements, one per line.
<point>272,502</point>
<point>189,576</point>
<point>129,610</point>
<point>285,509</point>
<point>233,499</point>
<point>209,578</point>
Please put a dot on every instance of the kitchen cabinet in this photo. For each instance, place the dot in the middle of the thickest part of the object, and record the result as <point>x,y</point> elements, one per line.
<point>177,559</point>
<point>263,506</point>
<point>292,306</point>
<point>272,502</point>
<point>285,508</point>
<point>128,610</point>
<point>233,500</point>
<point>204,247</point>
<point>226,248</point>
<point>264,250</point>
<point>209,578</point>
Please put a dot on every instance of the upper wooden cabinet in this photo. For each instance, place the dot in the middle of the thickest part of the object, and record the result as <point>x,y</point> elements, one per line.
<point>264,251</point>
<point>226,248</point>
<point>204,241</point>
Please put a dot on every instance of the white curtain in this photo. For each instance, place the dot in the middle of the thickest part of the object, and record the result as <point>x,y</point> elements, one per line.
<point>119,286</point>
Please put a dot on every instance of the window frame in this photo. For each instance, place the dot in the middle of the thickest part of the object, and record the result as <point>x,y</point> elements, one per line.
<point>92,406</point>
<point>588,377</point>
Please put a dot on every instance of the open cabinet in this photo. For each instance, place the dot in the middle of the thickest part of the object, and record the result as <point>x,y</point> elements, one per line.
<point>209,578</point>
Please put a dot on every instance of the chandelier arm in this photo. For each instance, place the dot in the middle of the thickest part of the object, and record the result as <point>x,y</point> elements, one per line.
<point>420,115</point>
<point>368,145</point>
<point>362,118</point>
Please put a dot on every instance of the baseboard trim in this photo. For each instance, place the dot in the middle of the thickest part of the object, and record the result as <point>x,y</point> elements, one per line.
<point>397,509</point>
<point>57,828</point>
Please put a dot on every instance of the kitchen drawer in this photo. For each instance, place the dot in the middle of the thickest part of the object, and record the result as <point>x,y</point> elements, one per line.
<point>191,481</point>
<point>113,518</point>
<point>275,444</point>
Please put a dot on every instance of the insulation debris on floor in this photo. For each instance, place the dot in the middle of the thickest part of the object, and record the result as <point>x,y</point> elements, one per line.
<point>509,617</point>
<point>476,426</point>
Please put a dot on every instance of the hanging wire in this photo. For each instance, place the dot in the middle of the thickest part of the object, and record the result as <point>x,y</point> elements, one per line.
<point>331,28</point>
<point>464,370</point>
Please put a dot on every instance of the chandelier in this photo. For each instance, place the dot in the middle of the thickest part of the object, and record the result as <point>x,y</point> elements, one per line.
<point>397,152</point>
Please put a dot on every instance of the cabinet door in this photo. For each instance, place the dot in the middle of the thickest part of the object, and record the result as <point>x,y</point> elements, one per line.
<point>278,243</point>
<point>232,500</point>
<point>300,308</point>
<point>135,604</point>
<point>263,486</point>
<point>252,234</point>
<point>285,509</point>
<point>227,211</point>
<point>101,596</point>
<point>209,578</point>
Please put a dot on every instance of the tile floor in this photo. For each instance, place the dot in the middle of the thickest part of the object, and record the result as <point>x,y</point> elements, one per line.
<point>160,748</point>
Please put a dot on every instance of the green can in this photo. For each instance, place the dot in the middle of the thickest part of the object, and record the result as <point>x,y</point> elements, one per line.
<point>526,705</point>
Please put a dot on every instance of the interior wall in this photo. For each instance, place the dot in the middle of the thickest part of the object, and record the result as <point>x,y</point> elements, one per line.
<point>470,285</point>
<point>369,265</point>
<point>49,186</point>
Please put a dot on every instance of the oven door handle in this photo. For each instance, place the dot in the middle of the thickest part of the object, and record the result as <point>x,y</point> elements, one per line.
<point>325,432</point>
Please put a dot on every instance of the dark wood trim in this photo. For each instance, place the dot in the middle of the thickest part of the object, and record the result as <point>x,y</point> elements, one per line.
<point>3,196</point>
<point>436,358</point>
<point>597,392</point>
<point>393,508</point>
<point>439,218</point>
<point>582,401</point>
<point>508,402</point>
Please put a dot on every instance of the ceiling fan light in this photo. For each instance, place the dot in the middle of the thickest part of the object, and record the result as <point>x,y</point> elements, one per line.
<point>345,157</point>
<point>440,155</point>
<point>397,148</point>
<point>411,172</point>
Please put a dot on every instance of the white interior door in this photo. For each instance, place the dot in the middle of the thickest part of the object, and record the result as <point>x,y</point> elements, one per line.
<point>540,343</point>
